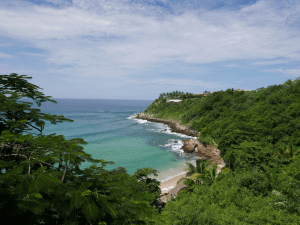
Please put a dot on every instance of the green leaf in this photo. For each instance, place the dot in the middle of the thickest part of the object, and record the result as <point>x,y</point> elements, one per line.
<point>22,121</point>
<point>112,211</point>
<point>17,170</point>
<point>76,200</point>
<point>90,209</point>
<point>41,170</point>
<point>195,176</point>
<point>34,185</point>
<point>37,195</point>
<point>6,164</point>
<point>86,192</point>
<point>85,185</point>
<point>79,153</point>
<point>72,146</point>
<point>6,133</point>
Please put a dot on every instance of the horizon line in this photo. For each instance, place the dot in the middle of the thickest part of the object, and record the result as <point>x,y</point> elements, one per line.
<point>102,99</point>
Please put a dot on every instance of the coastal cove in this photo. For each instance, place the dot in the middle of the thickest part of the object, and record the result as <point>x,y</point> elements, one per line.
<point>116,131</point>
<point>169,186</point>
<point>113,133</point>
<point>51,177</point>
<point>206,152</point>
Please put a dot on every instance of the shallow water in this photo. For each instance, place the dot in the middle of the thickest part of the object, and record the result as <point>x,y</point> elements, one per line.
<point>114,134</point>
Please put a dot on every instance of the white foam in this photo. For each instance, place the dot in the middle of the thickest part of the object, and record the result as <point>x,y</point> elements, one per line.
<point>176,147</point>
<point>141,121</point>
<point>170,177</point>
<point>132,117</point>
<point>168,131</point>
<point>168,173</point>
<point>166,189</point>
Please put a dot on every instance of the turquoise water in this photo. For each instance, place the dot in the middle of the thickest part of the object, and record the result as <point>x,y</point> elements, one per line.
<point>114,134</point>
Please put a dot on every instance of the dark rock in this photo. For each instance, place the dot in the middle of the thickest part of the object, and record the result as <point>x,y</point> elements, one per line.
<point>185,141</point>
<point>188,147</point>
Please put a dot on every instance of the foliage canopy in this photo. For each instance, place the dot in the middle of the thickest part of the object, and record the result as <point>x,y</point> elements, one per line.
<point>40,178</point>
<point>258,134</point>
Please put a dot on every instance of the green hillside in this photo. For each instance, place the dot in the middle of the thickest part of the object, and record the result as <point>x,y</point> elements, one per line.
<point>258,133</point>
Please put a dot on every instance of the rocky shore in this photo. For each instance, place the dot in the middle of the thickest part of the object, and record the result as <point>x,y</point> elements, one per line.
<point>204,151</point>
<point>174,125</point>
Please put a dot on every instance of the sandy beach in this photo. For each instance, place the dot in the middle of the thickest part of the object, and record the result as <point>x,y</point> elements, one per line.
<point>169,184</point>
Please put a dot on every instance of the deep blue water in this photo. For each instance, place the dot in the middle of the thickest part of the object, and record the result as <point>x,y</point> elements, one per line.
<point>113,134</point>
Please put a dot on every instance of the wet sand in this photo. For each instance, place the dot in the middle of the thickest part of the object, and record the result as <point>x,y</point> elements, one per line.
<point>167,185</point>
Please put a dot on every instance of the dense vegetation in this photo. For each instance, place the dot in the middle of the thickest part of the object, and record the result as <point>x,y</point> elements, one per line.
<point>257,132</point>
<point>176,95</point>
<point>40,178</point>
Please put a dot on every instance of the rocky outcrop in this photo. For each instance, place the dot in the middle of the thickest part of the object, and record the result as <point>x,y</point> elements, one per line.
<point>189,146</point>
<point>206,152</point>
<point>174,125</point>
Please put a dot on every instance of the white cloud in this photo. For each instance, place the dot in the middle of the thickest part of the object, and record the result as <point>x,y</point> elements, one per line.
<point>274,62</point>
<point>253,32</point>
<point>4,55</point>
<point>185,83</point>
<point>232,65</point>
<point>293,72</point>
<point>120,39</point>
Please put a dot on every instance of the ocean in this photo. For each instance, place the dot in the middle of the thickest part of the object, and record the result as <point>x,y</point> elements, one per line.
<point>114,134</point>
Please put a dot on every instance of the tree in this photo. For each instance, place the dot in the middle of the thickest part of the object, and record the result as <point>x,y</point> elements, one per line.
<point>14,115</point>
<point>258,135</point>
<point>198,175</point>
<point>213,171</point>
<point>40,178</point>
<point>147,184</point>
<point>201,165</point>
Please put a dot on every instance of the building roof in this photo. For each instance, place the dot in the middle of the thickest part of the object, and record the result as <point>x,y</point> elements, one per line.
<point>177,100</point>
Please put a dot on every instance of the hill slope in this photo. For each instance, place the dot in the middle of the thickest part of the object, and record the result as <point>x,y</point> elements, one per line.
<point>258,133</point>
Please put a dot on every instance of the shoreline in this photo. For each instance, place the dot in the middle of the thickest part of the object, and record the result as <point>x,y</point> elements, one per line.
<point>173,124</point>
<point>171,183</point>
<point>169,187</point>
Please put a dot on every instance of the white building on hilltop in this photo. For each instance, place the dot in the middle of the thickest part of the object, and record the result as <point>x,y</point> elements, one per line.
<point>173,100</point>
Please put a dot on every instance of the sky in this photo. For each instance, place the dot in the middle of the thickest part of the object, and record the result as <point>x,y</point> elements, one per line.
<point>135,50</point>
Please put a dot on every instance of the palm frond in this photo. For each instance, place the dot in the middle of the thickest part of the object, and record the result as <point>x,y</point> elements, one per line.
<point>181,181</point>
<point>191,168</point>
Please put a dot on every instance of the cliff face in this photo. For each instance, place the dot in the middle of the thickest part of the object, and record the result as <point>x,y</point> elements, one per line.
<point>206,152</point>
